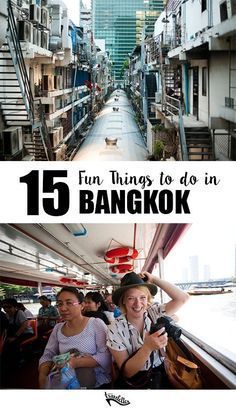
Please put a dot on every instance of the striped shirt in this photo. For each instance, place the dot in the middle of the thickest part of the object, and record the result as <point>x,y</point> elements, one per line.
<point>122,335</point>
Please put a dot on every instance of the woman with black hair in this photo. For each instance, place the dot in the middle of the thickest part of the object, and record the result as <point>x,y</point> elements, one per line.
<point>95,306</point>
<point>80,333</point>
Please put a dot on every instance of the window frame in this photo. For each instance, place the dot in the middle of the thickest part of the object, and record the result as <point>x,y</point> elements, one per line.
<point>203,5</point>
<point>204,81</point>
<point>218,363</point>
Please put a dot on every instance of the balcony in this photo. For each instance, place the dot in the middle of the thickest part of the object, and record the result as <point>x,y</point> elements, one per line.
<point>225,28</point>
<point>31,51</point>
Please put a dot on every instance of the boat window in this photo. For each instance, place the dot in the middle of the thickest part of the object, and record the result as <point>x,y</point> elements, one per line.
<point>203,263</point>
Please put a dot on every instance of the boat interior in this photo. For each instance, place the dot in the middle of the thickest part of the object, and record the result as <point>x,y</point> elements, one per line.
<point>59,254</point>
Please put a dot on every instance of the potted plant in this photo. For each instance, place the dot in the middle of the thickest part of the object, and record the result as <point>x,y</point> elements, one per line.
<point>158,150</point>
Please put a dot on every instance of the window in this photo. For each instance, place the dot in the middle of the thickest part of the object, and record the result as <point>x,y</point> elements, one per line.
<point>204,81</point>
<point>223,11</point>
<point>204,257</point>
<point>204,5</point>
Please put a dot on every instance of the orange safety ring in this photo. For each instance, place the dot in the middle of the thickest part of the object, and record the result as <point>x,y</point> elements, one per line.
<point>65,280</point>
<point>126,267</point>
<point>120,255</point>
<point>79,283</point>
<point>72,282</point>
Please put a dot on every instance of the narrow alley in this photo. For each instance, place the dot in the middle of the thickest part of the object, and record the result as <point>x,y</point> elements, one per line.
<point>115,135</point>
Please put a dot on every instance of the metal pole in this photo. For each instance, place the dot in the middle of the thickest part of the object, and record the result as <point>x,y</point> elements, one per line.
<point>161,268</point>
<point>40,289</point>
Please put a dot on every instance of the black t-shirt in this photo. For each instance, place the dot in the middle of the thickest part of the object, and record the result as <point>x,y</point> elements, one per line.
<point>99,314</point>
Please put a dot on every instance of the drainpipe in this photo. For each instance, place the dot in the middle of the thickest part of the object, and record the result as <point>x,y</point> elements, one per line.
<point>143,65</point>
<point>186,86</point>
<point>210,13</point>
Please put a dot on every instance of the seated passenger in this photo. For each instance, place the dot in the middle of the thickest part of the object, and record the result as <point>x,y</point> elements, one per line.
<point>87,335</point>
<point>94,305</point>
<point>47,315</point>
<point>27,312</point>
<point>108,300</point>
<point>129,339</point>
<point>18,330</point>
<point>112,307</point>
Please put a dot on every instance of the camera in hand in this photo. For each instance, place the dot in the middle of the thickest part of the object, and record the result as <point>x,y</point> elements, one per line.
<point>165,321</point>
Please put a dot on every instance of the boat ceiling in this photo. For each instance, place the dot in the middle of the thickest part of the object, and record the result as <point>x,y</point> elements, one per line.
<point>46,253</point>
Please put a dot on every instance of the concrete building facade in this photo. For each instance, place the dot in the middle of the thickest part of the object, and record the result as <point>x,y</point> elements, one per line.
<point>200,40</point>
<point>46,82</point>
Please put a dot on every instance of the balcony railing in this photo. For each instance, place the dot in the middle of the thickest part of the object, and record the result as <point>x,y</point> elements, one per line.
<point>173,107</point>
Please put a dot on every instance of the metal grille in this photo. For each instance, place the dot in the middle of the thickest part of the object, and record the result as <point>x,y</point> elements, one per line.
<point>172,5</point>
<point>222,145</point>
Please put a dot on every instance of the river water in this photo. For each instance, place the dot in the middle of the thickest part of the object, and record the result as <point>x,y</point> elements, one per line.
<point>212,318</point>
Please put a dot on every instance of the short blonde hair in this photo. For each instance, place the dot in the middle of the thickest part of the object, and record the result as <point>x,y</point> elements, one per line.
<point>144,289</point>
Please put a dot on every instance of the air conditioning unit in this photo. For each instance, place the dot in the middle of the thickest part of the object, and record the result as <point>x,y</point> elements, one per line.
<point>25,31</point>
<point>48,83</point>
<point>35,13</point>
<point>45,17</point>
<point>54,137</point>
<point>44,39</point>
<point>39,39</point>
<point>60,132</point>
<point>12,140</point>
<point>227,9</point>
<point>35,36</point>
<point>59,154</point>
<point>58,82</point>
<point>157,98</point>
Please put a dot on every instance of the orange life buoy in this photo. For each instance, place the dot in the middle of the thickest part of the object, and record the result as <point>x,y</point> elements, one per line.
<point>70,281</point>
<point>79,283</point>
<point>120,255</point>
<point>126,267</point>
<point>65,280</point>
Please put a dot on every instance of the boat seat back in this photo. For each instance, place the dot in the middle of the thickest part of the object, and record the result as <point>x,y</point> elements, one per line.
<point>33,324</point>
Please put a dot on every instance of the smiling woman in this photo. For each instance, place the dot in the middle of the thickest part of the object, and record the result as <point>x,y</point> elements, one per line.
<point>135,350</point>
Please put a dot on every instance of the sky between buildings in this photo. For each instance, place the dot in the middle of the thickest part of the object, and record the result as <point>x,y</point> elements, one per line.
<point>74,9</point>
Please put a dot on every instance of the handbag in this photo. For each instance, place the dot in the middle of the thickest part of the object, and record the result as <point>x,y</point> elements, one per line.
<point>140,380</point>
<point>181,370</point>
<point>144,379</point>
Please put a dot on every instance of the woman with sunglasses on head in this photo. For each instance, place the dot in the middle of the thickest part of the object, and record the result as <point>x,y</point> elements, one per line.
<point>78,333</point>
